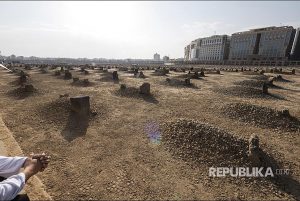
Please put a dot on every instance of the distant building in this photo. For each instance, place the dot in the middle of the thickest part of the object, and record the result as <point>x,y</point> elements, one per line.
<point>166,58</point>
<point>295,52</point>
<point>156,57</point>
<point>213,48</point>
<point>269,43</point>
<point>187,55</point>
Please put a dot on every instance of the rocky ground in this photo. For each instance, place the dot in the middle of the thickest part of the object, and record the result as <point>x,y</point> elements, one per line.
<point>158,146</point>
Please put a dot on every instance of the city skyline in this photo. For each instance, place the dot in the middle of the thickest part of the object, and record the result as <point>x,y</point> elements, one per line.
<point>122,30</point>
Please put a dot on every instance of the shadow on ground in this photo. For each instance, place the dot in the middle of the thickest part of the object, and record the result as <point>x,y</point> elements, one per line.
<point>76,126</point>
<point>132,92</point>
<point>284,183</point>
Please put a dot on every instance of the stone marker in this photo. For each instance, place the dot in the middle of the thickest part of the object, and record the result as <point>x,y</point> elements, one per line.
<point>62,69</point>
<point>68,74</point>
<point>264,88</point>
<point>122,87</point>
<point>141,75</point>
<point>187,81</point>
<point>80,105</point>
<point>23,78</point>
<point>86,82</point>
<point>75,79</point>
<point>293,71</point>
<point>63,95</point>
<point>270,80</point>
<point>29,88</point>
<point>57,73</point>
<point>254,151</point>
<point>115,75</point>
<point>285,112</point>
<point>44,70</point>
<point>145,88</point>
<point>27,67</point>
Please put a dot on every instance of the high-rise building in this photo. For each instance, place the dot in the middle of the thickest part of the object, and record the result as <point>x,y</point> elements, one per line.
<point>156,57</point>
<point>187,55</point>
<point>269,43</point>
<point>213,48</point>
<point>295,52</point>
<point>166,58</point>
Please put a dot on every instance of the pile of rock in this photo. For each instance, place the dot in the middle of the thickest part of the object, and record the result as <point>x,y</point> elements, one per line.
<point>257,87</point>
<point>161,71</point>
<point>139,75</point>
<point>68,75</point>
<point>134,92</point>
<point>84,82</point>
<point>110,77</point>
<point>57,73</point>
<point>23,78</point>
<point>174,82</point>
<point>23,91</point>
<point>203,143</point>
<point>263,117</point>
<point>255,83</point>
<point>279,78</point>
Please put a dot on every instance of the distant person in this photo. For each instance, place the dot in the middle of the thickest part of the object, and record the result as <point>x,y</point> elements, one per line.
<point>13,179</point>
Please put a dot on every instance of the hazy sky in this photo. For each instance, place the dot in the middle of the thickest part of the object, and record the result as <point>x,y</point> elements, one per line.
<point>129,29</point>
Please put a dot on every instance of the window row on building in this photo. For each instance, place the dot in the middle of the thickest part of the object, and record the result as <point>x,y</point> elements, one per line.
<point>256,44</point>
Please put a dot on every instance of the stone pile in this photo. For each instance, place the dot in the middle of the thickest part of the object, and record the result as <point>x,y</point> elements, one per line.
<point>279,78</point>
<point>44,70</point>
<point>263,117</point>
<point>57,73</point>
<point>110,77</point>
<point>84,82</point>
<point>186,82</point>
<point>80,105</point>
<point>145,88</point>
<point>254,83</point>
<point>115,75</point>
<point>23,91</point>
<point>22,78</point>
<point>242,92</point>
<point>199,142</point>
<point>161,71</point>
<point>140,75</point>
<point>68,75</point>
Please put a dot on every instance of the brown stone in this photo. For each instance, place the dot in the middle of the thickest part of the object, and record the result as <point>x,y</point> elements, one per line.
<point>29,88</point>
<point>145,88</point>
<point>75,79</point>
<point>57,73</point>
<point>187,81</point>
<point>80,105</point>
<point>265,88</point>
<point>285,112</point>
<point>122,87</point>
<point>254,151</point>
<point>115,75</point>
<point>293,71</point>
<point>68,74</point>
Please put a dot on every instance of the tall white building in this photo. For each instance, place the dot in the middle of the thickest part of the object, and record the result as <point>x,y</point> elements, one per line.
<point>156,57</point>
<point>213,48</point>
